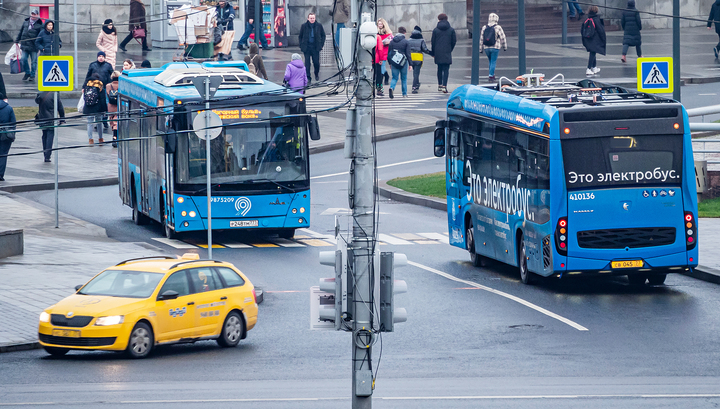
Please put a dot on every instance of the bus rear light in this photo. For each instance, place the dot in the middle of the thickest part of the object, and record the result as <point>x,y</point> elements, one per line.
<point>562,265</point>
<point>622,129</point>
<point>676,126</point>
<point>691,259</point>
<point>181,199</point>
<point>562,245</point>
<point>567,131</point>
<point>691,232</point>
<point>561,237</point>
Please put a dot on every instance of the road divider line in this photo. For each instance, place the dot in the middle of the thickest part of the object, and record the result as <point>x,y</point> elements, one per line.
<point>509,397</point>
<point>502,294</point>
<point>379,167</point>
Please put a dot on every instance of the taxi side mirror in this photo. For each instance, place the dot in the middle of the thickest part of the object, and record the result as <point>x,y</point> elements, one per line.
<point>78,287</point>
<point>168,295</point>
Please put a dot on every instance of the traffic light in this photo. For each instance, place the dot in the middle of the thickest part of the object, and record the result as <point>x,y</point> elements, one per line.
<point>333,303</point>
<point>389,314</point>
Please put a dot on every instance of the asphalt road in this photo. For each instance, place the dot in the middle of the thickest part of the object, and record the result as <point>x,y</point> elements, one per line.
<point>474,336</point>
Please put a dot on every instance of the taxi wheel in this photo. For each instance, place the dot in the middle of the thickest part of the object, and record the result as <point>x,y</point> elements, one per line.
<point>141,341</point>
<point>56,351</point>
<point>232,331</point>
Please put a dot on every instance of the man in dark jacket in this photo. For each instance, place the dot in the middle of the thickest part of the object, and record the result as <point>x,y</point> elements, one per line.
<point>101,68</point>
<point>595,43</point>
<point>631,25</point>
<point>443,43</point>
<point>46,113</point>
<point>26,38</point>
<point>417,49</point>
<point>7,116</point>
<point>715,18</point>
<point>45,41</point>
<point>398,48</point>
<point>250,25</point>
<point>225,15</point>
<point>312,40</point>
<point>137,19</point>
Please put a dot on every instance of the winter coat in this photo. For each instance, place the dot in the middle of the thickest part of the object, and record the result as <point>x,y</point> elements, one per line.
<point>342,11</point>
<point>26,37</point>
<point>632,25</point>
<point>7,116</point>
<point>108,43</point>
<point>112,107</point>
<point>257,61</point>
<point>104,70</point>
<point>417,45</point>
<point>46,108</point>
<point>137,15</point>
<point>401,44</point>
<point>46,41</point>
<point>500,40</point>
<point>715,16</point>
<point>225,16</point>
<point>295,76</point>
<point>101,106</point>
<point>304,37</point>
<point>596,43</point>
<point>250,13</point>
<point>381,50</point>
<point>443,42</point>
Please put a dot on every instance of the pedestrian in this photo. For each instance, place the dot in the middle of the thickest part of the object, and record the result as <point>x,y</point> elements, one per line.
<point>111,90</point>
<point>715,18</point>
<point>312,40</point>
<point>103,69</point>
<point>255,62</point>
<point>340,14</point>
<point>26,38</point>
<point>46,113</point>
<point>95,106</point>
<point>295,75</point>
<point>443,43</point>
<point>145,64</point>
<point>593,38</point>
<point>250,26</point>
<point>399,60</point>
<point>492,37</point>
<point>573,4</point>
<point>631,25</point>
<point>384,37</point>
<point>225,14</point>
<point>417,50</point>
<point>128,64</point>
<point>138,27</point>
<point>2,85</point>
<point>7,134</point>
<point>107,42</point>
<point>45,42</point>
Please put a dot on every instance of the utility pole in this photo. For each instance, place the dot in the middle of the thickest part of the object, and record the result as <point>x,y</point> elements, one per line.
<point>475,75</point>
<point>56,51</point>
<point>521,37</point>
<point>676,50</point>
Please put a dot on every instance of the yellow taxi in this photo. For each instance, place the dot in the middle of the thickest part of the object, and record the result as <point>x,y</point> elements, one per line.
<point>141,303</point>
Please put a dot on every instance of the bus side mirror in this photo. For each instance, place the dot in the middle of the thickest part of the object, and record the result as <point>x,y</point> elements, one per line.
<point>170,142</point>
<point>314,129</point>
<point>439,138</point>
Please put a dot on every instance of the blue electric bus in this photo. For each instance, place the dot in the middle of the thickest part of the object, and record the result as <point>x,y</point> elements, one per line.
<point>259,162</point>
<point>564,179</point>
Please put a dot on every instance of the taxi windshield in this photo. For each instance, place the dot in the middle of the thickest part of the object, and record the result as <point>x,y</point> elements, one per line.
<point>120,283</point>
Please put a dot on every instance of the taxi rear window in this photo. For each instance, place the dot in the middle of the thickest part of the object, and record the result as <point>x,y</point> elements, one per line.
<point>231,278</point>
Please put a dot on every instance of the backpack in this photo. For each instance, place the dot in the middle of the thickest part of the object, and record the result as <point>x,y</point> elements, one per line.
<point>588,28</point>
<point>489,36</point>
<point>112,96</point>
<point>252,68</point>
<point>91,95</point>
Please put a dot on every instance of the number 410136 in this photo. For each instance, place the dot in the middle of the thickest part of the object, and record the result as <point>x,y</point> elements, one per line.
<point>582,196</point>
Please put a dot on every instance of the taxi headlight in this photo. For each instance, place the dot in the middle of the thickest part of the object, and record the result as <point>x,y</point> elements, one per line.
<point>44,317</point>
<point>111,320</point>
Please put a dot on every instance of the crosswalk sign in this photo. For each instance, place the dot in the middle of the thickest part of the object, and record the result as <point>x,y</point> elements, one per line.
<point>655,75</point>
<point>55,73</point>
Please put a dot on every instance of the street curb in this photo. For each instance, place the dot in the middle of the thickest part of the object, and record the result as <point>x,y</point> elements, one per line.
<point>703,273</point>
<point>20,347</point>
<point>383,137</point>
<point>32,95</point>
<point>70,184</point>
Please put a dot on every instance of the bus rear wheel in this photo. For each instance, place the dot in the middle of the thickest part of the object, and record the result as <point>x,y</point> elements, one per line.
<point>657,279</point>
<point>137,215</point>
<point>525,274</point>
<point>475,258</point>
<point>637,279</point>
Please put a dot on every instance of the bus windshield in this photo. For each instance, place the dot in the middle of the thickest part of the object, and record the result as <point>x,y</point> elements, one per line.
<point>265,151</point>
<point>623,161</point>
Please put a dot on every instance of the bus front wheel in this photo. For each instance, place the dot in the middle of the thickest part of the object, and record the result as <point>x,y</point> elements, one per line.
<point>170,233</point>
<point>286,234</point>
<point>525,274</point>
<point>475,258</point>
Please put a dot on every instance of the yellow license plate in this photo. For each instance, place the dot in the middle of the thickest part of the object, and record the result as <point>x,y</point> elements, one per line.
<point>69,333</point>
<point>627,264</point>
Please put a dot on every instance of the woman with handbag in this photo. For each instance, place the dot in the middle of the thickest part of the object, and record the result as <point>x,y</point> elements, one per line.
<point>7,134</point>
<point>138,28</point>
<point>107,41</point>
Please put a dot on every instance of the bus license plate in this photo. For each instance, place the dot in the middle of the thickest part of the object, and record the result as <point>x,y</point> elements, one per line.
<point>627,264</point>
<point>69,333</point>
<point>244,223</point>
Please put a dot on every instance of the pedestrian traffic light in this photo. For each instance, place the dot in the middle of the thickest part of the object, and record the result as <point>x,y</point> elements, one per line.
<point>334,304</point>
<point>389,314</point>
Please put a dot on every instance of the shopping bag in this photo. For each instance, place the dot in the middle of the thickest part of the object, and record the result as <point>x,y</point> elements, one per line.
<point>16,67</point>
<point>13,53</point>
<point>81,104</point>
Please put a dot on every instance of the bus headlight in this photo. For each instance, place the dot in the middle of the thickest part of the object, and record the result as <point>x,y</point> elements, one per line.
<point>183,213</point>
<point>192,214</point>
<point>294,211</point>
<point>181,199</point>
<point>302,210</point>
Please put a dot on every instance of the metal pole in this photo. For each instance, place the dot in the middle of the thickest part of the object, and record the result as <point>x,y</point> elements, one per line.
<point>56,38</point>
<point>676,50</point>
<point>521,37</point>
<point>207,165</point>
<point>75,46</point>
<point>258,26</point>
<point>564,21</point>
<point>57,161</point>
<point>475,76</point>
<point>363,240</point>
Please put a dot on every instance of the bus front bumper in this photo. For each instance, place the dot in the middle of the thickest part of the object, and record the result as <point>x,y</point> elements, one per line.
<point>273,222</point>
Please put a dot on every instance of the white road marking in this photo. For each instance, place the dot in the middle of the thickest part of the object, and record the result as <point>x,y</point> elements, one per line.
<point>237,245</point>
<point>174,243</point>
<point>285,242</point>
<point>436,236</point>
<point>499,397</point>
<point>392,240</point>
<point>321,236</point>
<point>713,93</point>
<point>502,294</point>
<point>379,167</point>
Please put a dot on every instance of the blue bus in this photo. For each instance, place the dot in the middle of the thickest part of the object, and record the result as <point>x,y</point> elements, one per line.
<point>565,179</point>
<point>259,162</point>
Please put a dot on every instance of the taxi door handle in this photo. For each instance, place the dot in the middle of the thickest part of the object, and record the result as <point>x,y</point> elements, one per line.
<point>223,298</point>
<point>191,303</point>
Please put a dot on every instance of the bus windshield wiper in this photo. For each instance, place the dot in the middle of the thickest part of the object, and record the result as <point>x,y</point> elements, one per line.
<point>279,184</point>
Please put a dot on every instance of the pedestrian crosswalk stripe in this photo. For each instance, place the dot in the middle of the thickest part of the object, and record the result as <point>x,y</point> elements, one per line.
<point>215,246</point>
<point>436,236</point>
<point>237,245</point>
<point>175,243</point>
<point>392,240</point>
<point>286,243</point>
<point>316,243</point>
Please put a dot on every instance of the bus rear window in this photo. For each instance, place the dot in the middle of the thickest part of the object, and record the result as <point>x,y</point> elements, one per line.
<point>621,161</point>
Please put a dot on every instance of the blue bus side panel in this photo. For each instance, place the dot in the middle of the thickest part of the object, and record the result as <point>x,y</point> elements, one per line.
<point>558,208</point>
<point>690,188</point>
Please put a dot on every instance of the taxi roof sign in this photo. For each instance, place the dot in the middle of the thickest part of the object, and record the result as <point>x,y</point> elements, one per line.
<point>655,75</point>
<point>55,73</point>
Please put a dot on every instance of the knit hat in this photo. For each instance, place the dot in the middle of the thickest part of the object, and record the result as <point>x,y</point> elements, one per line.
<point>101,53</point>
<point>493,19</point>
<point>631,3</point>
<point>417,28</point>
<point>296,56</point>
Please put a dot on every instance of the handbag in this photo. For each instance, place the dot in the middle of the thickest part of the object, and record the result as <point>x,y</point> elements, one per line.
<point>7,134</point>
<point>398,59</point>
<point>16,67</point>
<point>138,32</point>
